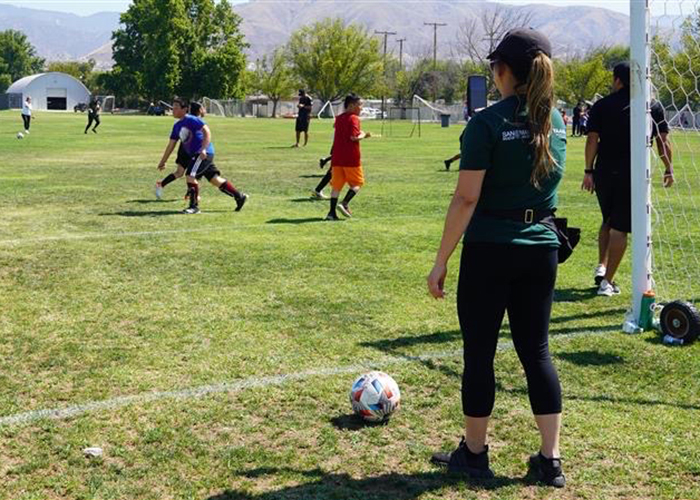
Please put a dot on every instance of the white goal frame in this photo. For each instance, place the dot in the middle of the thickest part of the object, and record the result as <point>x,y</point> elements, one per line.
<point>640,135</point>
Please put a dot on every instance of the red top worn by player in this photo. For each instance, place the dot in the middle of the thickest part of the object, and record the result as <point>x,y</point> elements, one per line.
<point>345,162</point>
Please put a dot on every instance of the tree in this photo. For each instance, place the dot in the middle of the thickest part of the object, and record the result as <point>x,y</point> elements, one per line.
<point>446,81</point>
<point>274,77</point>
<point>478,37</point>
<point>81,70</point>
<point>188,47</point>
<point>332,59</point>
<point>581,78</point>
<point>17,56</point>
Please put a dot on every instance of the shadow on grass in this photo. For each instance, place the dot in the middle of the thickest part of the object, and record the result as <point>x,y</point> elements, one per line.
<point>296,221</point>
<point>280,147</point>
<point>590,358</point>
<point>616,327</point>
<point>148,213</point>
<point>308,199</point>
<point>392,347</point>
<point>618,312</point>
<point>392,486</point>
<point>352,422</point>
<point>144,202</point>
<point>312,176</point>
<point>574,294</point>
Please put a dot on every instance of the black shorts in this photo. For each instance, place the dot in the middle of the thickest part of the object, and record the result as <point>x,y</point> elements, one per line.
<point>199,168</point>
<point>183,159</point>
<point>302,124</point>
<point>614,192</point>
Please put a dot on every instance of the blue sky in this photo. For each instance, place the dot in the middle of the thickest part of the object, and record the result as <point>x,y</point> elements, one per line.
<point>85,7</point>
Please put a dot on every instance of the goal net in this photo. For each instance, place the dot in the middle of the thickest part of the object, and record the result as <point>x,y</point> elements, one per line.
<point>402,121</point>
<point>665,64</point>
<point>431,112</point>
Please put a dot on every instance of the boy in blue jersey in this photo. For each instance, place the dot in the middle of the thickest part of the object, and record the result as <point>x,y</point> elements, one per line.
<point>195,137</point>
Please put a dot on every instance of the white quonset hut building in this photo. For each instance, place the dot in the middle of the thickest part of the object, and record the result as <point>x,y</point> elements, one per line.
<point>49,91</point>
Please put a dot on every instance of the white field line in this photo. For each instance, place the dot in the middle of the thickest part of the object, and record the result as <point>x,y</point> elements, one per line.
<point>239,385</point>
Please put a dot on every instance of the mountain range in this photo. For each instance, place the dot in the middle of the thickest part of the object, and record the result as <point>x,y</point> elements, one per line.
<point>268,24</point>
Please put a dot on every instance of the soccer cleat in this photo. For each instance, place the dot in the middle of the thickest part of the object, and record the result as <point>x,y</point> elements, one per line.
<point>26,132</point>
<point>547,470</point>
<point>345,210</point>
<point>331,217</point>
<point>321,162</point>
<point>191,210</point>
<point>447,164</point>
<point>608,289</point>
<point>319,196</point>
<point>599,274</point>
<point>463,461</point>
<point>159,190</point>
<point>240,202</point>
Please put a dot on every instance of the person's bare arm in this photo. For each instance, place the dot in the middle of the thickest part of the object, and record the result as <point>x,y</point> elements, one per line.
<point>459,214</point>
<point>205,141</point>
<point>590,155</point>
<point>166,154</point>
<point>663,146</point>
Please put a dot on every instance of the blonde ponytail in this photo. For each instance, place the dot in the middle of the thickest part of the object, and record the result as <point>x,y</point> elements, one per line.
<point>540,101</point>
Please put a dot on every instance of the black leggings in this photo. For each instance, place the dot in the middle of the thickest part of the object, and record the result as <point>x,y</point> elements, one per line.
<point>93,118</point>
<point>27,120</point>
<point>494,278</point>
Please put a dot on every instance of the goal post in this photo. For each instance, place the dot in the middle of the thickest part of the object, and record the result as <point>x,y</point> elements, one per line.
<point>640,129</point>
<point>665,206</point>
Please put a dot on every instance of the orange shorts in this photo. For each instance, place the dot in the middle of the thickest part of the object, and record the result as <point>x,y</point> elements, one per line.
<point>352,176</point>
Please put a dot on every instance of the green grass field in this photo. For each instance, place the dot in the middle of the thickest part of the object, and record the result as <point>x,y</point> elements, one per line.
<point>210,356</point>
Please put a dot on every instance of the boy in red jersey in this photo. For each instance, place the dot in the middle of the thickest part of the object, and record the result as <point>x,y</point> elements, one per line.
<point>345,162</point>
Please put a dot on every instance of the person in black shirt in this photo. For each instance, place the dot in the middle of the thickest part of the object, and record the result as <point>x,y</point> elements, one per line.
<point>659,131</point>
<point>608,145</point>
<point>303,117</point>
<point>93,115</point>
<point>576,121</point>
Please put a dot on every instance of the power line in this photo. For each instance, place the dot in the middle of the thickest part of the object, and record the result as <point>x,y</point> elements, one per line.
<point>386,36</point>
<point>435,27</point>
<point>401,40</point>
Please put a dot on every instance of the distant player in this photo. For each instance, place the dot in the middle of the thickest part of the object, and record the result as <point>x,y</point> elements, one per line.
<point>303,117</point>
<point>195,136</point>
<point>94,110</point>
<point>317,193</point>
<point>27,114</point>
<point>346,165</point>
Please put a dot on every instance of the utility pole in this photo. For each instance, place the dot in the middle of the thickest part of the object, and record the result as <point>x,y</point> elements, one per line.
<point>435,27</point>
<point>386,36</point>
<point>401,40</point>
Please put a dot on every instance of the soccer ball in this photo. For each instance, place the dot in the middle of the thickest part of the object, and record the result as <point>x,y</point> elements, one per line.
<point>375,396</point>
<point>20,135</point>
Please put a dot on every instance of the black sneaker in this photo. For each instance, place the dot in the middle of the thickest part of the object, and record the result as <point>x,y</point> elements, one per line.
<point>447,164</point>
<point>240,202</point>
<point>331,217</point>
<point>322,162</point>
<point>547,470</point>
<point>463,461</point>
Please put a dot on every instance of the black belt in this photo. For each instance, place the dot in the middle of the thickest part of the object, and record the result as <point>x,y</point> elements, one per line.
<point>526,216</point>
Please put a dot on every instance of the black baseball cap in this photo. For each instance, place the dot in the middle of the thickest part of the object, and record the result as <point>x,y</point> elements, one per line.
<point>519,47</point>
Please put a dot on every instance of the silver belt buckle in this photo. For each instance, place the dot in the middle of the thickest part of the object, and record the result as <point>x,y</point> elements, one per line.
<point>529,216</point>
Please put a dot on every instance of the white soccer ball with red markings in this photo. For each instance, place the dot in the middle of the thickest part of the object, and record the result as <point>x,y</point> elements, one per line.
<point>375,396</point>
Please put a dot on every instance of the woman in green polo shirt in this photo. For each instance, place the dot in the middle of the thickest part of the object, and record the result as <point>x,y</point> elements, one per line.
<point>513,156</point>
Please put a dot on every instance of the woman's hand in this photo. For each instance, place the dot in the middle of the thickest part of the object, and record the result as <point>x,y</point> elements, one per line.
<point>436,281</point>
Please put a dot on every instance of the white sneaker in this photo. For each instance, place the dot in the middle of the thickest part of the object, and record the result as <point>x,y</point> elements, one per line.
<point>318,196</point>
<point>159,191</point>
<point>608,289</point>
<point>599,274</point>
<point>26,132</point>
